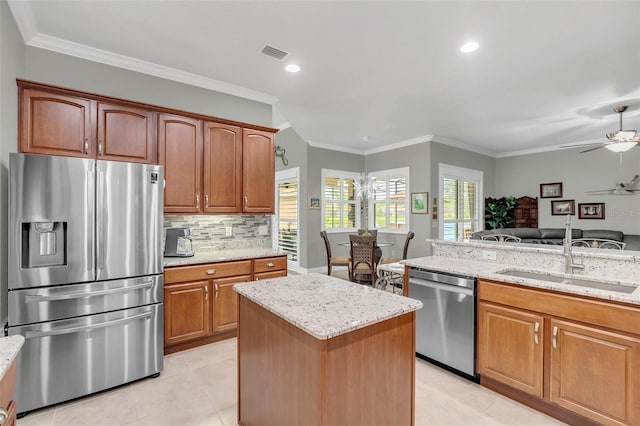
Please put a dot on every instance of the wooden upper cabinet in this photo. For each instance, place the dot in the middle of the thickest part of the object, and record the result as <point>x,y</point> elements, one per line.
<point>126,134</point>
<point>53,124</point>
<point>222,168</point>
<point>258,171</point>
<point>180,148</point>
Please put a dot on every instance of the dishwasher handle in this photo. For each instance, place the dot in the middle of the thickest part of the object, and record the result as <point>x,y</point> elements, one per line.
<point>439,286</point>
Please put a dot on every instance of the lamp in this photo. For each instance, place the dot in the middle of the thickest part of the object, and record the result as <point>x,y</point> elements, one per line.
<point>620,146</point>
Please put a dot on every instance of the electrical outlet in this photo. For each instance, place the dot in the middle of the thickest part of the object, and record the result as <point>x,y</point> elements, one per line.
<point>489,255</point>
<point>263,230</point>
<point>228,231</point>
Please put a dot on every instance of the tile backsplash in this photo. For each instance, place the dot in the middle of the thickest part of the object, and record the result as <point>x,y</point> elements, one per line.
<point>210,231</point>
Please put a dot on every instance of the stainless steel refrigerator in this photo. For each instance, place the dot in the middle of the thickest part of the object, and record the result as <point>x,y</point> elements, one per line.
<point>85,275</point>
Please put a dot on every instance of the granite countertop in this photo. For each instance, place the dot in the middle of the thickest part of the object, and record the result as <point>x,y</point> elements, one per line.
<point>324,306</point>
<point>210,256</point>
<point>9,348</point>
<point>490,270</point>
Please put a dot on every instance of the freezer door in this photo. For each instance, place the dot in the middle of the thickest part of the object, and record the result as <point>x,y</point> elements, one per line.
<point>66,359</point>
<point>34,305</point>
<point>51,220</point>
<point>128,219</point>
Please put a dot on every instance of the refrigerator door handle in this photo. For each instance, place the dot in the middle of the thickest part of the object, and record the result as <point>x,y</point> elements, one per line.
<point>100,224</point>
<point>89,222</point>
<point>90,327</point>
<point>86,295</point>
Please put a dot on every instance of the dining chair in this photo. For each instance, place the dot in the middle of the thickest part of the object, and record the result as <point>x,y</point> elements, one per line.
<point>405,251</point>
<point>363,259</point>
<point>331,260</point>
<point>372,232</point>
<point>598,243</point>
<point>501,237</point>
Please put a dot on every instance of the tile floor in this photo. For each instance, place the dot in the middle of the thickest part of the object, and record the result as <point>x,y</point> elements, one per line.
<point>198,388</point>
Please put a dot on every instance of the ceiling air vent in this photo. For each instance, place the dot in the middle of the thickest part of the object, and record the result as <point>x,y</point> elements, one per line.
<point>274,52</point>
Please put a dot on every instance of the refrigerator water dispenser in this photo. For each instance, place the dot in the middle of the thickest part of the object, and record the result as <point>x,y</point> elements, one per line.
<point>44,244</point>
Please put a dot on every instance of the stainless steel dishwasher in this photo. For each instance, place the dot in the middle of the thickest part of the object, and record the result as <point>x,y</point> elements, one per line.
<point>445,326</point>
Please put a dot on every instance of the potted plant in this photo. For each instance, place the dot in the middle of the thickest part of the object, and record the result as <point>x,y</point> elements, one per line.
<point>498,213</point>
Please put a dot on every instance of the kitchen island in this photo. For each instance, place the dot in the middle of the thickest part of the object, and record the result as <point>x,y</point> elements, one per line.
<point>317,350</point>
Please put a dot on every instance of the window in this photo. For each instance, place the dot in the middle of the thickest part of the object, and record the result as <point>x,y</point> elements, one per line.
<point>460,197</point>
<point>340,206</point>
<point>389,203</point>
<point>285,221</point>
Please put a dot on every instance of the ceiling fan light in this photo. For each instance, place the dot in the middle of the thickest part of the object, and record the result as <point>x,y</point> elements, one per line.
<point>620,146</point>
<point>623,135</point>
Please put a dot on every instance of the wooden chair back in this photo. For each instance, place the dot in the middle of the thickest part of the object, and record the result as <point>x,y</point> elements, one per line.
<point>363,257</point>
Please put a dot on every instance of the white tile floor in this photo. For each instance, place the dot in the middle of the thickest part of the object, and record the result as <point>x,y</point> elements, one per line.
<point>198,388</point>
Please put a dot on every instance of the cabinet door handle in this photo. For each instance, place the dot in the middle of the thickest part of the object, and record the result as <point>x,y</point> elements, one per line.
<point>206,201</point>
<point>217,288</point>
<point>271,264</point>
<point>555,338</point>
<point>100,148</point>
<point>211,271</point>
<point>86,146</point>
<point>197,201</point>
<point>535,332</point>
<point>246,201</point>
<point>206,292</point>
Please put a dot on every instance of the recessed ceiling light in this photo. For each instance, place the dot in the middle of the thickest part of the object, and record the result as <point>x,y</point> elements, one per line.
<point>469,47</point>
<point>292,68</point>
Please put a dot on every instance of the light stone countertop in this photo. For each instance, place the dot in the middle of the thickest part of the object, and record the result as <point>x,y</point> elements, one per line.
<point>489,270</point>
<point>210,256</point>
<point>324,306</point>
<point>9,348</point>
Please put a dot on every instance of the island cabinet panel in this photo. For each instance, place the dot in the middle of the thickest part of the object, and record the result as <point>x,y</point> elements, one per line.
<point>222,168</point>
<point>593,371</point>
<point>590,353</point>
<point>188,306</point>
<point>258,171</point>
<point>180,146</point>
<point>289,377</point>
<point>503,332</point>
<point>55,124</point>
<point>7,390</point>
<point>126,134</point>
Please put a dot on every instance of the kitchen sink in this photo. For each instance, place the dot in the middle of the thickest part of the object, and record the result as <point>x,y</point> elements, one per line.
<point>581,282</point>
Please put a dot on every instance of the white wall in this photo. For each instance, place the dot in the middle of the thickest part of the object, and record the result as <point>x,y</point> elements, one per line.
<point>579,173</point>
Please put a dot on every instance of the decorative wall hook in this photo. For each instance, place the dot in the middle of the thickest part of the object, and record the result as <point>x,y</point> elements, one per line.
<point>281,152</point>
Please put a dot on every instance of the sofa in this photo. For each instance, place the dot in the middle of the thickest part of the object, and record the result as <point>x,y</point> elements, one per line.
<point>555,236</point>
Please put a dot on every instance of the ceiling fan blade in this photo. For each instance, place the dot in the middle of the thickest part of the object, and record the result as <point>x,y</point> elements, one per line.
<point>615,191</point>
<point>592,149</point>
<point>579,145</point>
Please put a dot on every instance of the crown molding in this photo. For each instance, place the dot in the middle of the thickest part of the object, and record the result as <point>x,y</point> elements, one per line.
<point>457,144</point>
<point>23,15</point>
<point>401,144</point>
<point>336,148</point>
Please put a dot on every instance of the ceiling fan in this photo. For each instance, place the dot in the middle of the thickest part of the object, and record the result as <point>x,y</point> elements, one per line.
<point>629,188</point>
<point>617,141</point>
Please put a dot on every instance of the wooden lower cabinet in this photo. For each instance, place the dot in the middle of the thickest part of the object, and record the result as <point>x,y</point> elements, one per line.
<point>189,308</point>
<point>225,312</point>
<point>7,390</point>
<point>593,372</point>
<point>581,365</point>
<point>503,332</point>
<point>200,304</point>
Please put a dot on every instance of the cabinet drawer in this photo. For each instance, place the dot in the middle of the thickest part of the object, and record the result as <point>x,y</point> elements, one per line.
<point>8,385</point>
<point>210,270</point>
<point>268,264</point>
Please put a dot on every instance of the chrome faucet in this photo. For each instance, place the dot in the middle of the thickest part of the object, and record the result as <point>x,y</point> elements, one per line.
<point>569,265</point>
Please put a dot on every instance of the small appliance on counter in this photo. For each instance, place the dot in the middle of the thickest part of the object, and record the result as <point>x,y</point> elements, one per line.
<point>178,243</point>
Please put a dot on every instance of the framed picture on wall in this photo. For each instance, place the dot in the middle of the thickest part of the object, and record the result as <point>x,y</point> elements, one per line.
<point>563,207</point>
<point>419,202</point>
<point>551,190</point>
<point>314,202</point>
<point>591,211</point>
